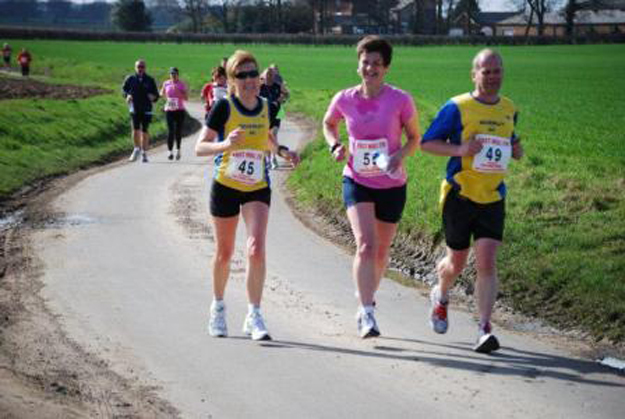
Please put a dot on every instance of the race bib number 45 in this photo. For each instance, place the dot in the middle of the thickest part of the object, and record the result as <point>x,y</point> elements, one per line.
<point>366,153</point>
<point>246,166</point>
<point>494,156</point>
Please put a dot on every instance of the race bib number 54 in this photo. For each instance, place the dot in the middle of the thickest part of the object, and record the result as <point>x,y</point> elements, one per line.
<point>246,166</point>
<point>494,156</point>
<point>366,153</point>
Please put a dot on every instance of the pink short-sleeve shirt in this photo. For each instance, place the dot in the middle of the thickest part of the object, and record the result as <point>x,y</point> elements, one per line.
<point>174,95</point>
<point>374,127</point>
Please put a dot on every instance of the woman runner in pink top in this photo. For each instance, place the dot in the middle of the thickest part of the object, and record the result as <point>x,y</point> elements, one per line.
<point>374,179</point>
<point>175,93</point>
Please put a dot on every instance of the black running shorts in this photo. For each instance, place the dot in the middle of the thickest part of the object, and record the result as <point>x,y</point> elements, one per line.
<point>227,202</point>
<point>463,219</point>
<point>140,121</point>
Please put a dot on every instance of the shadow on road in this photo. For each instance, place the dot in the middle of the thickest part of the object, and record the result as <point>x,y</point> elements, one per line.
<point>508,361</point>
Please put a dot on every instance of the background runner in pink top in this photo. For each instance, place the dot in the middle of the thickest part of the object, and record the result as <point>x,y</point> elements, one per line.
<point>382,117</point>
<point>176,90</point>
<point>175,93</point>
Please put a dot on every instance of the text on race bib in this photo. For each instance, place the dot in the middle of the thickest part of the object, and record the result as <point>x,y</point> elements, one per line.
<point>220,92</point>
<point>246,166</point>
<point>494,156</point>
<point>366,154</point>
<point>173,104</point>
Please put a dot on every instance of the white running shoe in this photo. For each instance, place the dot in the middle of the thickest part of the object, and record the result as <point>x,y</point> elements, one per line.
<point>134,155</point>
<point>178,154</point>
<point>144,157</point>
<point>438,312</point>
<point>254,326</point>
<point>486,341</point>
<point>217,322</point>
<point>367,326</point>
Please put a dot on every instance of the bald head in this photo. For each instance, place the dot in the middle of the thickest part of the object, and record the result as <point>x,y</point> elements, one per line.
<point>486,55</point>
<point>140,66</point>
<point>487,75</point>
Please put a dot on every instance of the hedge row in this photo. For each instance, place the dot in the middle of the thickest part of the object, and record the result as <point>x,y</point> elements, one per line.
<point>305,39</point>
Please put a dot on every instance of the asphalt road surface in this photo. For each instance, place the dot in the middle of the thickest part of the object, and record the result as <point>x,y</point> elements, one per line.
<point>127,269</point>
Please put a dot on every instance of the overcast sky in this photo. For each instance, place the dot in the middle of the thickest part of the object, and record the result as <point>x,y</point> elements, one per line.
<point>485,5</point>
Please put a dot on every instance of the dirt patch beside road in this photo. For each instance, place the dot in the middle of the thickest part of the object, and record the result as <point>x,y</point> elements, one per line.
<point>43,373</point>
<point>26,88</point>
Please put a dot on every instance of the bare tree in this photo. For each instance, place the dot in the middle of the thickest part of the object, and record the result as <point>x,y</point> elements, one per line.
<point>538,9</point>
<point>195,10</point>
<point>319,9</point>
<point>570,10</point>
<point>449,8</point>
<point>221,10</point>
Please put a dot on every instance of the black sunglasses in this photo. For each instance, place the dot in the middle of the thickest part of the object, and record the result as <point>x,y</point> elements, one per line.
<point>245,74</point>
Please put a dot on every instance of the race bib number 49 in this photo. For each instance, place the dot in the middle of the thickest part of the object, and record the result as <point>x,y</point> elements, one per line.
<point>246,166</point>
<point>494,156</point>
<point>366,153</point>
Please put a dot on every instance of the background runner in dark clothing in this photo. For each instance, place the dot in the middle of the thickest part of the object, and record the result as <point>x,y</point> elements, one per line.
<point>140,91</point>
<point>272,91</point>
<point>6,55</point>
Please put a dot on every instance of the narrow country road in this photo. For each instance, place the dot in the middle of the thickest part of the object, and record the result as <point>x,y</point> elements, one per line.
<point>127,271</point>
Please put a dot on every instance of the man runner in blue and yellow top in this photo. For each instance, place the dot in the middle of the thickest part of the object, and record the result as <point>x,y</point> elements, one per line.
<point>238,133</point>
<point>476,130</point>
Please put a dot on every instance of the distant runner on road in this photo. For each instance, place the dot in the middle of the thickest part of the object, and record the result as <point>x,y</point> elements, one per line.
<point>24,58</point>
<point>214,90</point>
<point>374,179</point>
<point>175,93</point>
<point>272,91</point>
<point>6,55</point>
<point>476,130</point>
<point>140,91</point>
<point>238,133</point>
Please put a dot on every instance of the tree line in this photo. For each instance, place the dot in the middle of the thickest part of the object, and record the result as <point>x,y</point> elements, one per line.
<point>265,16</point>
<point>223,16</point>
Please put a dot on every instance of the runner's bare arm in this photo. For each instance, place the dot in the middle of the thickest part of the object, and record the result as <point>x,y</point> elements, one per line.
<point>281,150</point>
<point>413,137</point>
<point>206,145</point>
<point>331,134</point>
<point>517,149</point>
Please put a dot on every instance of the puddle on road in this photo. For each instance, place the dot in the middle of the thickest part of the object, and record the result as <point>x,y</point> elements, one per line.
<point>70,220</point>
<point>58,220</point>
<point>11,220</point>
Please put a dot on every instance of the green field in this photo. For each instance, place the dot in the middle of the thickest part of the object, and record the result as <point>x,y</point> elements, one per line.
<point>564,256</point>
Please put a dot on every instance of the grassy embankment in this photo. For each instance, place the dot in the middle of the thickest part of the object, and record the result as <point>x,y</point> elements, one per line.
<point>565,238</point>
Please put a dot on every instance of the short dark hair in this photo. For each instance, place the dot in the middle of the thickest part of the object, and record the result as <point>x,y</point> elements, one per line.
<point>218,72</point>
<point>373,43</point>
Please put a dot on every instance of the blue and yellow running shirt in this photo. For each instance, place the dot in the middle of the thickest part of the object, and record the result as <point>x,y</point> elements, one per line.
<point>242,168</point>
<point>480,177</point>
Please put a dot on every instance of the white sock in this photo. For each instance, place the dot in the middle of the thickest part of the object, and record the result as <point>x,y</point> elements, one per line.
<point>218,304</point>
<point>368,309</point>
<point>440,297</point>
<point>253,309</point>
